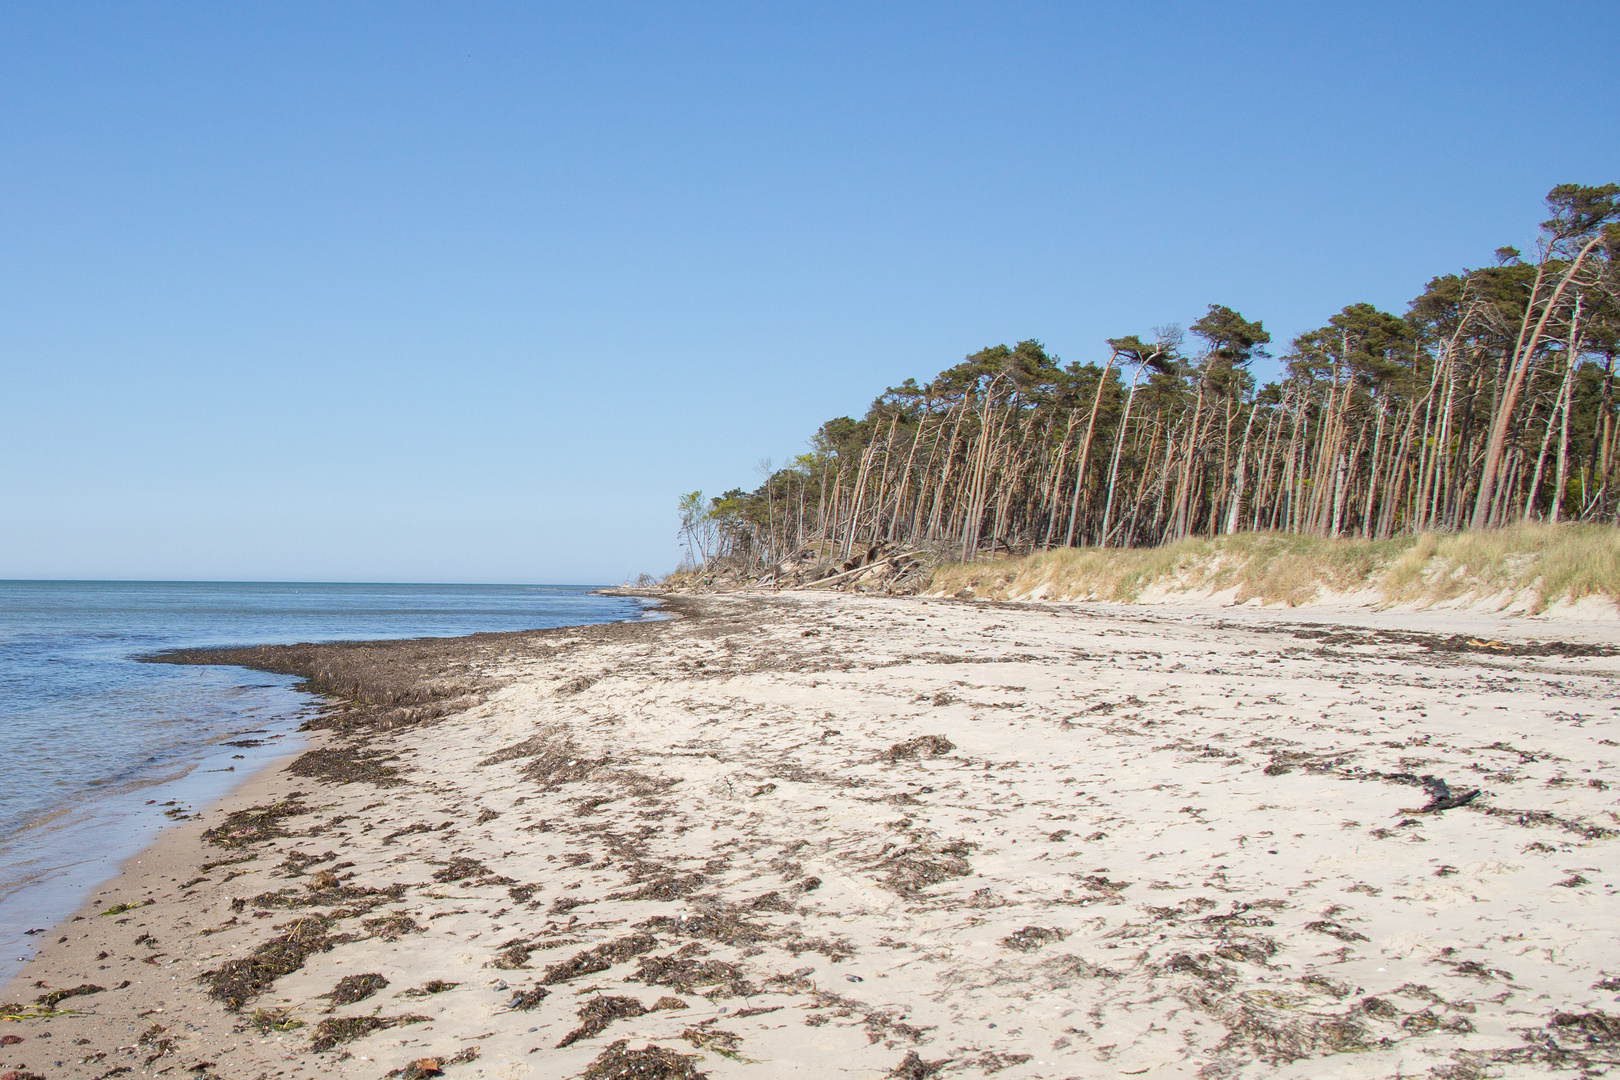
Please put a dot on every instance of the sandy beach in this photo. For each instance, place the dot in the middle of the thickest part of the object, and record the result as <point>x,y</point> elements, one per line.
<point>865,837</point>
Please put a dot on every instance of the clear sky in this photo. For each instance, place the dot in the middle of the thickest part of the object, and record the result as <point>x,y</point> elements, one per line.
<point>473,292</point>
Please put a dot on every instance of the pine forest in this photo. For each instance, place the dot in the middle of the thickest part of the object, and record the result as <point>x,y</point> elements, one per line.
<point>1489,402</point>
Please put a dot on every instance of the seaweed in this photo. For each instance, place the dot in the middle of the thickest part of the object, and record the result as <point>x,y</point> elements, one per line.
<point>324,890</point>
<point>599,958</point>
<point>1031,938</point>
<point>913,1067</point>
<point>597,1013</point>
<point>514,954</point>
<point>722,1042</point>
<point>651,1062</point>
<point>1255,950</point>
<point>459,869</point>
<point>393,926</point>
<point>665,887</point>
<point>334,1030</point>
<point>1591,1028</point>
<point>913,869</point>
<point>272,1020</point>
<point>1203,968</point>
<point>553,759</point>
<point>921,746</point>
<point>347,764</point>
<point>119,909</point>
<point>770,901</point>
<point>353,988</point>
<point>236,982</point>
<point>297,862</point>
<point>524,1000</point>
<point>1282,1041</point>
<point>153,1039</point>
<point>1333,929</point>
<point>382,685</point>
<point>719,923</point>
<point>256,824</point>
<point>686,975</point>
<point>56,997</point>
<point>432,986</point>
<point>432,1066</point>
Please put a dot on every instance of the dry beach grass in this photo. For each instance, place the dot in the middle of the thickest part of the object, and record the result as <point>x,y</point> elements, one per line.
<point>860,836</point>
<point>1532,564</point>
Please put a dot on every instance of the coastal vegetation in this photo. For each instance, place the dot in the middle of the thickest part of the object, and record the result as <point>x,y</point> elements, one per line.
<point>1530,564</point>
<point>1489,404</point>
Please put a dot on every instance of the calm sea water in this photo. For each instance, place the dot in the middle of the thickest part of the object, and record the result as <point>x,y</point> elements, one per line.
<point>98,752</point>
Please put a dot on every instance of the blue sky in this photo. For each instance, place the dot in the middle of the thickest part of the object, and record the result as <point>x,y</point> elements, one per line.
<point>473,292</point>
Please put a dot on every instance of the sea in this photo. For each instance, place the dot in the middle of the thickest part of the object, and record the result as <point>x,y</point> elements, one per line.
<point>99,752</point>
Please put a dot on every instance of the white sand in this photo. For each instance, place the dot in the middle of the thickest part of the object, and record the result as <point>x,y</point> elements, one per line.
<point>1196,810</point>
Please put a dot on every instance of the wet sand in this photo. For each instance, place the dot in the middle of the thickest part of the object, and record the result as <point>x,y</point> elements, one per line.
<point>853,836</point>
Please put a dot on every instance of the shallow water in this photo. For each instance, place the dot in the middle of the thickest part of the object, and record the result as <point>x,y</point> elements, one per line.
<point>98,752</point>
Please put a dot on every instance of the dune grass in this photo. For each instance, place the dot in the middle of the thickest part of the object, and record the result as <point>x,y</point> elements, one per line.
<point>1541,564</point>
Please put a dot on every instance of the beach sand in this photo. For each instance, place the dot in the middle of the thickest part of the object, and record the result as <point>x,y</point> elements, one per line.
<point>857,836</point>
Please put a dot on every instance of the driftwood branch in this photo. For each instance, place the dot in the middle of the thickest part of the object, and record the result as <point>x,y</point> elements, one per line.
<point>830,579</point>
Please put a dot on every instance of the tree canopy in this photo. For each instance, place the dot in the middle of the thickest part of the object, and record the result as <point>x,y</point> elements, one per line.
<point>1490,401</point>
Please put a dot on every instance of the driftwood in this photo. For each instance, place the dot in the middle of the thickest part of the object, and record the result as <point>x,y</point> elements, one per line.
<point>863,568</point>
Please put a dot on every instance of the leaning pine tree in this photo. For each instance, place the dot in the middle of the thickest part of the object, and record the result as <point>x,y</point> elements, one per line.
<point>1491,401</point>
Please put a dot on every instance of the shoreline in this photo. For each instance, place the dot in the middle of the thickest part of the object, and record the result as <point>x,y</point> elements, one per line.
<point>108,750</point>
<point>78,847</point>
<point>831,829</point>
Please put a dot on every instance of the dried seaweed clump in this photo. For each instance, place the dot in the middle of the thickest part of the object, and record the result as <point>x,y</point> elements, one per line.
<point>619,1062</point>
<point>347,765</point>
<point>665,887</point>
<point>600,958</point>
<point>1588,1029</point>
<point>432,986</point>
<point>1280,1039</point>
<point>921,746</point>
<point>56,997</point>
<point>353,988</point>
<point>514,954</point>
<point>1031,938</point>
<point>329,1033</point>
<point>597,1013</point>
<point>724,1043</point>
<point>459,869</point>
<point>432,1066</point>
<point>553,759</point>
<point>237,982</point>
<point>1203,968</point>
<point>524,1000</point>
<point>993,1062</point>
<point>270,1021</point>
<point>724,924</point>
<point>679,973</point>
<point>913,869</point>
<point>256,824</point>
<point>1255,950</point>
<point>323,890</point>
<point>393,926</point>
<point>913,1067</point>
